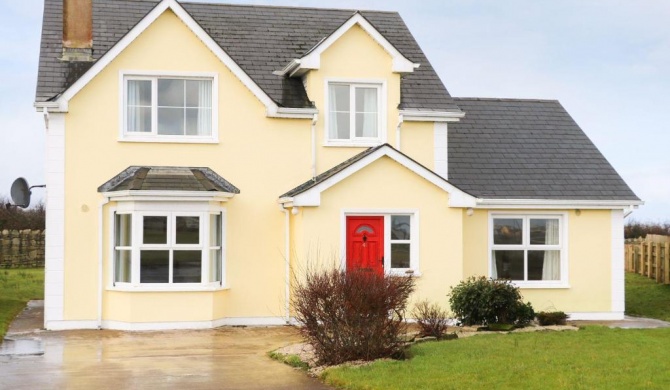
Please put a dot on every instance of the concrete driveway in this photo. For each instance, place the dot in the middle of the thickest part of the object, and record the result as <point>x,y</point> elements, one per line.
<point>223,358</point>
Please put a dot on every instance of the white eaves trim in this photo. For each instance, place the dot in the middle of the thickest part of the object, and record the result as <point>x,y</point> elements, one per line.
<point>312,60</point>
<point>431,116</point>
<point>136,195</point>
<point>272,110</point>
<point>556,204</point>
<point>312,196</point>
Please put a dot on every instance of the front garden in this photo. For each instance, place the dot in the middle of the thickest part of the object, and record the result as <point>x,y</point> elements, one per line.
<point>593,357</point>
<point>17,287</point>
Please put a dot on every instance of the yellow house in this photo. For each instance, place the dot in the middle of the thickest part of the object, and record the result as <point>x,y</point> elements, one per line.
<point>202,157</point>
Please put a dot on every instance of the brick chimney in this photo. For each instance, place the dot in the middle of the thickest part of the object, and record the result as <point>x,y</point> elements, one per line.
<point>77,30</point>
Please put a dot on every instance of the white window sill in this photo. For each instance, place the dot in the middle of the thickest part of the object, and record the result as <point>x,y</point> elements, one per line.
<point>404,272</point>
<point>541,285</point>
<point>170,140</point>
<point>352,144</point>
<point>167,288</point>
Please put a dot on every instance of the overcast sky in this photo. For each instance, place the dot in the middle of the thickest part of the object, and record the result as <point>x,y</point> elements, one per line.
<point>608,62</point>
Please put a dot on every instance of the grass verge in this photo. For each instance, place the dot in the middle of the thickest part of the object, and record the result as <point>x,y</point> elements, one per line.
<point>291,360</point>
<point>595,357</point>
<point>646,298</point>
<point>17,287</point>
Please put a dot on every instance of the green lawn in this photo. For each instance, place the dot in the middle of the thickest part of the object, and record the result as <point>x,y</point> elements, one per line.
<point>17,287</point>
<point>646,298</point>
<point>592,358</point>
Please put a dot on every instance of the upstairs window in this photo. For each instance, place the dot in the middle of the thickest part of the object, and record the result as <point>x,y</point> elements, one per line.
<point>354,113</point>
<point>168,108</point>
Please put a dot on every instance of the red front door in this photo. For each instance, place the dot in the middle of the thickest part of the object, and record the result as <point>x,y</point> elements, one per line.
<point>365,244</point>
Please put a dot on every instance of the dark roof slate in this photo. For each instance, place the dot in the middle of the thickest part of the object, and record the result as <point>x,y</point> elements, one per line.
<point>527,149</point>
<point>261,39</point>
<point>138,178</point>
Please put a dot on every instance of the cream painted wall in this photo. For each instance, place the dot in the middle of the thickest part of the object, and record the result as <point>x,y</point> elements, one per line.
<point>246,156</point>
<point>589,261</point>
<point>417,141</point>
<point>386,185</point>
<point>354,56</point>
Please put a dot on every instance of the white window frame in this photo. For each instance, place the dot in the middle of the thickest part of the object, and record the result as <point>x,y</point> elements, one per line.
<point>131,136</point>
<point>526,246</point>
<point>354,141</point>
<point>138,210</point>
<point>413,214</point>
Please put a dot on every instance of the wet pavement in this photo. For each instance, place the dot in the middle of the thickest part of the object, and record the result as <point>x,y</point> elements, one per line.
<point>222,358</point>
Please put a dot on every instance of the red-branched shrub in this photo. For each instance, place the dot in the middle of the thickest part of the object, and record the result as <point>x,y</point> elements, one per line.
<point>349,316</point>
<point>431,319</point>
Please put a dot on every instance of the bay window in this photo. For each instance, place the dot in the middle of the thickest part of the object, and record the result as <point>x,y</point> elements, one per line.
<point>528,249</point>
<point>168,249</point>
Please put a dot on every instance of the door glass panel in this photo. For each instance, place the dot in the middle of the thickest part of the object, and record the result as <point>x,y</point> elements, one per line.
<point>400,255</point>
<point>507,231</point>
<point>400,227</point>
<point>188,230</point>
<point>509,264</point>
<point>187,266</point>
<point>154,230</point>
<point>364,229</point>
<point>154,266</point>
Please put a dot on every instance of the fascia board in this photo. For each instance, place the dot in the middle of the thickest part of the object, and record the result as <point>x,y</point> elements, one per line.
<point>431,116</point>
<point>140,27</point>
<point>556,204</point>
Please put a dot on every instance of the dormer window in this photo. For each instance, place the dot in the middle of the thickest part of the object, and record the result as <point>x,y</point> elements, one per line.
<point>355,114</point>
<point>169,109</point>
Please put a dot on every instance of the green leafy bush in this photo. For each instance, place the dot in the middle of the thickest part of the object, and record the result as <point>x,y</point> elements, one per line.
<point>551,318</point>
<point>431,319</point>
<point>478,300</point>
<point>349,316</point>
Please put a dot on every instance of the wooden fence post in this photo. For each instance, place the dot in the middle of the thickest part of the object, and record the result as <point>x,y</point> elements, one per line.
<point>659,278</point>
<point>666,264</point>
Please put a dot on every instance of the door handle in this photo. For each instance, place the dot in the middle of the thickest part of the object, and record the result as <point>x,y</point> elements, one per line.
<point>382,261</point>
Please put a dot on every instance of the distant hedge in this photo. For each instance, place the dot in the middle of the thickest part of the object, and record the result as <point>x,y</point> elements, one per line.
<point>16,218</point>
<point>635,229</point>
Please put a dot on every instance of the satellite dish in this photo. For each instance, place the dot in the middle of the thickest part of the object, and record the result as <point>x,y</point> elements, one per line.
<point>20,193</point>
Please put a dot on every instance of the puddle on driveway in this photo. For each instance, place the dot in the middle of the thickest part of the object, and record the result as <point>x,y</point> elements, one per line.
<point>21,347</point>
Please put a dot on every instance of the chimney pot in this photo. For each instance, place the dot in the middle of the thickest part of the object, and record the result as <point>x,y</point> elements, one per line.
<point>77,30</point>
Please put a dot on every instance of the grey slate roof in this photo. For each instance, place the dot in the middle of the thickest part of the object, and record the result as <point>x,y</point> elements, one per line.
<point>137,178</point>
<point>528,149</point>
<point>261,39</point>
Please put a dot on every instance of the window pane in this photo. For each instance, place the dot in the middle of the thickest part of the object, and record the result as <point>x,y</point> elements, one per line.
<point>339,126</point>
<point>155,230</point>
<point>188,230</point>
<point>138,119</point>
<point>366,125</point>
<point>123,230</point>
<point>139,93</point>
<point>171,121</point>
<point>544,231</point>
<point>508,265</point>
<point>187,266</point>
<point>215,265</point>
<point>154,266</point>
<point>170,93</point>
<point>507,231</point>
<point>544,265</point>
<point>199,93</point>
<point>400,227</point>
<point>122,266</point>
<point>339,98</point>
<point>215,230</point>
<point>399,255</point>
<point>366,100</point>
<point>198,121</point>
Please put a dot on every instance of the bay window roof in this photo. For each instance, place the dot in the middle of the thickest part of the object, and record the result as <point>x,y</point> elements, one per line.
<point>153,178</point>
